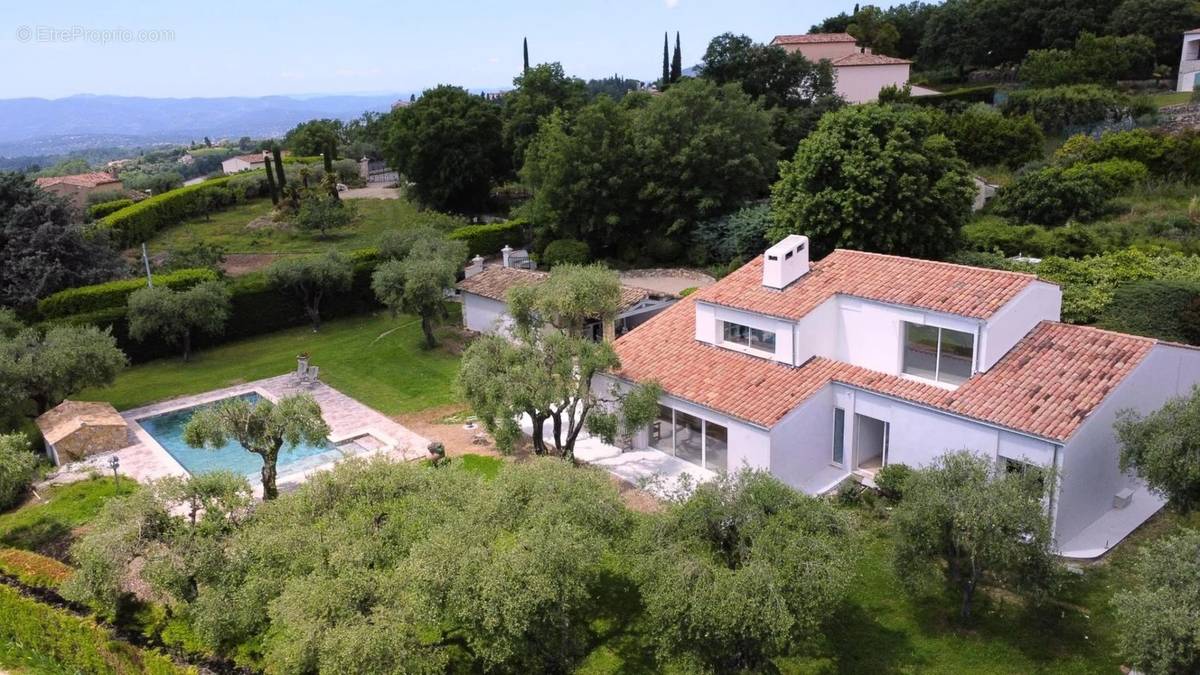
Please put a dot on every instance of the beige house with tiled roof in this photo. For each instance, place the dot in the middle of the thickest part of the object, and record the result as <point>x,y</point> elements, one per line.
<point>832,370</point>
<point>860,74</point>
<point>485,290</point>
<point>74,430</point>
<point>77,188</point>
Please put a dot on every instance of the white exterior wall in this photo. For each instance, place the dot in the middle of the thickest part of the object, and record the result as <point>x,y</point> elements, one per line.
<point>1039,301</point>
<point>871,334</point>
<point>709,329</point>
<point>235,164</point>
<point>1090,474</point>
<point>1189,62</point>
<point>484,315</point>
<point>861,84</point>
<point>817,333</point>
<point>815,51</point>
<point>801,443</point>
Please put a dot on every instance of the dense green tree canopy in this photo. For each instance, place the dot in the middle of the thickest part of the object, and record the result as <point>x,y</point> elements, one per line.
<point>972,523</point>
<point>536,93</point>
<point>47,367</point>
<point>449,143</point>
<point>1158,619</point>
<point>421,263</point>
<point>312,138</point>
<point>176,316</point>
<point>41,250</point>
<point>1163,21</point>
<point>1163,448</point>
<point>310,278</point>
<point>875,178</point>
<point>1095,60</point>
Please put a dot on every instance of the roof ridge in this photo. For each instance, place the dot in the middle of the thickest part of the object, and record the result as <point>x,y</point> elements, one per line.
<point>942,263</point>
<point>1108,331</point>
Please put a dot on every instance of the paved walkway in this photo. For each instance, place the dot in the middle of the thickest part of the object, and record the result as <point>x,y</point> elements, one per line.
<point>1109,529</point>
<point>144,459</point>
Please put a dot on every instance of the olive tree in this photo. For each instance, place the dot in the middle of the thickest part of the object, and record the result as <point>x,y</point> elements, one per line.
<point>177,315</point>
<point>263,428</point>
<point>746,562</point>
<point>420,265</point>
<point>973,523</point>
<point>18,465</point>
<point>1158,618</point>
<point>310,278</point>
<point>46,367</point>
<point>324,213</point>
<point>1163,448</point>
<point>545,370</point>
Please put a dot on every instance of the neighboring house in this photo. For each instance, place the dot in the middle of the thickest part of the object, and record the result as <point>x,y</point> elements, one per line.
<point>1189,61</point>
<point>485,299</point>
<point>860,74</point>
<point>75,430</point>
<point>77,188</point>
<point>984,192</point>
<point>826,372</point>
<point>253,160</point>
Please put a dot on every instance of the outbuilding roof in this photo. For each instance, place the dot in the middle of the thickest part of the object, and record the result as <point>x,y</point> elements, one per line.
<point>861,59</point>
<point>1045,386</point>
<point>70,416</point>
<point>974,292</point>
<point>812,38</point>
<point>88,180</point>
<point>495,282</point>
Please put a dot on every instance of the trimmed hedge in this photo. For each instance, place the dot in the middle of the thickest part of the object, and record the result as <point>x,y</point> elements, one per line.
<point>1057,108</point>
<point>1166,310</point>
<point>489,239</point>
<point>98,211</point>
<point>136,223</point>
<point>255,308</point>
<point>88,299</point>
<point>74,642</point>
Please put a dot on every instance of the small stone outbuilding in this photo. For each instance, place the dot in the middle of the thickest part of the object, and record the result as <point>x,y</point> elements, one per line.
<point>77,429</point>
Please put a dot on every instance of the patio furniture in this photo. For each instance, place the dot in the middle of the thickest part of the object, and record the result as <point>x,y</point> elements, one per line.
<point>311,375</point>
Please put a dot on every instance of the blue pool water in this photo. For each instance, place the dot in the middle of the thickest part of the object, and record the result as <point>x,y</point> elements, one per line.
<point>167,429</point>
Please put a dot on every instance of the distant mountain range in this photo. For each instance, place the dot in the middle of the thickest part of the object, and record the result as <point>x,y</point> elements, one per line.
<point>38,126</point>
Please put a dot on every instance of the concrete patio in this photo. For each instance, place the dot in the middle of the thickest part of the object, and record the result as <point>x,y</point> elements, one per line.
<point>144,459</point>
<point>1109,529</point>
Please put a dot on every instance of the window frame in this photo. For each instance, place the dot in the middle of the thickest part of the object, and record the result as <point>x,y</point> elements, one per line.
<point>765,337</point>
<point>937,357</point>
<point>704,422</point>
<point>839,437</point>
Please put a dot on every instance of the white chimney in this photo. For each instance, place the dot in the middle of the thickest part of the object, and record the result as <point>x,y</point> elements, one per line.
<point>474,268</point>
<point>785,262</point>
<point>506,254</point>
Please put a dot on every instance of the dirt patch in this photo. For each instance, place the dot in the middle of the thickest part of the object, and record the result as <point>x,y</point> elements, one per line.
<point>672,281</point>
<point>269,223</point>
<point>447,424</point>
<point>237,264</point>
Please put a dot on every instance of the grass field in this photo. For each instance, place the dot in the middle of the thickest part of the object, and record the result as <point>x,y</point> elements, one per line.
<point>378,360</point>
<point>228,229</point>
<point>47,527</point>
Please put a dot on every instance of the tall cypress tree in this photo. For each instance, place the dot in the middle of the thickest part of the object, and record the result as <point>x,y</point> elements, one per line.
<point>329,150</point>
<point>525,47</point>
<point>271,183</point>
<point>280,176</point>
<point>676,61</point>
<point>666,78</point>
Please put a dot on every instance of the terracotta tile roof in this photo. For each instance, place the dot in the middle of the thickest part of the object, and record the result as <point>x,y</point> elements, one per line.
<point>812,38</point>
<point>70,416</point>
<point>88,180</point>
<point>860,59</point>
<point>252,158</point>
<point>943,287</point>
<point>1045,386</point>
<point>494,283</point>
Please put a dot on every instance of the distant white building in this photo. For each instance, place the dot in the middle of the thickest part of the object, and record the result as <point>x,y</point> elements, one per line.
<point>244,163</point>
<point>860,74</point>
<point>823,372</point>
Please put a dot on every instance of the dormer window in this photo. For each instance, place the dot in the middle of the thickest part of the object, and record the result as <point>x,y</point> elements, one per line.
<point>938,354</point>
<point>754,338</point>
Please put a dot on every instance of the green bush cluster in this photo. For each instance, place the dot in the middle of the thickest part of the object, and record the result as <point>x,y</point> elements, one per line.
<point>1057,108</point>
<point>566,252</point>
<point>1098,60</point>
<point>97,297</point>
<point>1167,155</point>
<point>18,465</point>
<point>490,238</point>
<point>76,643</point>
<point>256,308</point>
<point>98,211</point>
<point>1167,310</point>
<point>982,135</point>
<point>138,222</point>
<point>993,234</point>
<point>1056,194</point>
<point>891,480</point>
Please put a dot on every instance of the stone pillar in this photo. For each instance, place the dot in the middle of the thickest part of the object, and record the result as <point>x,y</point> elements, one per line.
<point>506,255</point>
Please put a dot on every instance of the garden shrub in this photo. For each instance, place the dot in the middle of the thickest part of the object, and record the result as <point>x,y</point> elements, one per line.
<point>97,297</point>
<point>1057,108</point>
<point>33,569</point>
<point>1175,155</point>
<point>742,233</point>
<point>1096,59</point>
<point>97,211</point>
<point>566,252</point>
<point>488,239</point>
<point>983,136</point>
<point>1054,195</point>
<point>78,644</point>
<point>18,465</point>
<point>1166,310</point>
<point>1157,614</point>
<point>139,222</point>
<point>891,479</point>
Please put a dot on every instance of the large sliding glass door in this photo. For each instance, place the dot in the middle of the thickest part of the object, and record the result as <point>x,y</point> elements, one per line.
<point>690,438</point>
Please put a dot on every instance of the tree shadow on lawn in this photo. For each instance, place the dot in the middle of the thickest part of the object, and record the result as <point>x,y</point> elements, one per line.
<point>861,644</point>
<point>620,642</point>
<point>46,536</point>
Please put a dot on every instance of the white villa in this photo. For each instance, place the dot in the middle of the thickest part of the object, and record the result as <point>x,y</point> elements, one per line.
<point>826,371</point>
<point>254,160</point>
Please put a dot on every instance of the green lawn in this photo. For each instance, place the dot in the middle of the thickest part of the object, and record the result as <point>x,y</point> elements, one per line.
<point>228,229</point>
<point>46,528</point>
<point>378,360</point>
<point>1171,98</point>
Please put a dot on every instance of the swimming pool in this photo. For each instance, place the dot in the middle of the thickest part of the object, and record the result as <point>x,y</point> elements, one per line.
<point>167,430</point>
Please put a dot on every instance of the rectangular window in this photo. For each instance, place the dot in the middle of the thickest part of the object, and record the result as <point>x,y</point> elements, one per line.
<point>689,438</point>
<point>938,354</point>
<point>839,436</point>
<point>661,430</point>
<point>754,338</point>
<point>716,446</point>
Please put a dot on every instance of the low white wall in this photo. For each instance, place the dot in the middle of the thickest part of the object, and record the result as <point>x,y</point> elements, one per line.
<point>1039,301</point>
<point>484,315</point>
<point>802,442</point>
<point>709,329</point>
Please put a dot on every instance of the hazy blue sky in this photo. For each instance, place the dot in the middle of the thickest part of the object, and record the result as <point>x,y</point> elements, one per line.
<point>54,48</point>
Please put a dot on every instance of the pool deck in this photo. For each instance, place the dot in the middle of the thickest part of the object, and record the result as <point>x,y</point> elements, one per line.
<point>145,460</point>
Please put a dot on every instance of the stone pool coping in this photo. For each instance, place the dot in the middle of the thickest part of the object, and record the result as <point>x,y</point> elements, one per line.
<point>144,459</point>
